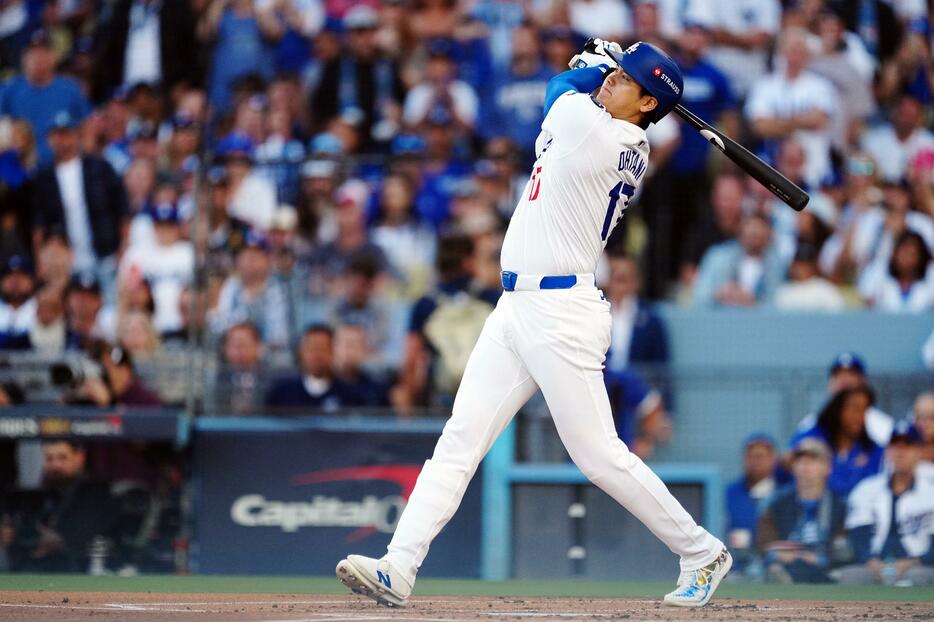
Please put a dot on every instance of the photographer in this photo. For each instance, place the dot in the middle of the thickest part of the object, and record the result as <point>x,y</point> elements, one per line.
<point>52,531</point>
<point>105,378</point>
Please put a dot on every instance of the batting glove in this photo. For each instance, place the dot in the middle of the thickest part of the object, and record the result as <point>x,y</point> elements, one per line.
<point>594,55</point>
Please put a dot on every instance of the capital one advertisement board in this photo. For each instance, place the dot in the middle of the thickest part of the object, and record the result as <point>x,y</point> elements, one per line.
<point>294,502</point>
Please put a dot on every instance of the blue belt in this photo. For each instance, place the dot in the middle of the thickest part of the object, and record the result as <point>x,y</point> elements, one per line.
<point>546,282</point>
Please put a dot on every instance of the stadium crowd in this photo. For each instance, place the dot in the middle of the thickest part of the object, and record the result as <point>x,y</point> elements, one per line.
<point>320,187</point>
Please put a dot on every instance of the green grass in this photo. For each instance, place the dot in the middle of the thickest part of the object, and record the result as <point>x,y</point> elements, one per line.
<point>441,587</point>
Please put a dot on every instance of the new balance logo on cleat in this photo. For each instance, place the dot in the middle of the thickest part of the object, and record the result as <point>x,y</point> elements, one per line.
<point>384,579</point>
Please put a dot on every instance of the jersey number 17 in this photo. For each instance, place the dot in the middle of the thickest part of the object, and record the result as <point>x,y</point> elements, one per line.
<point>621,188</point>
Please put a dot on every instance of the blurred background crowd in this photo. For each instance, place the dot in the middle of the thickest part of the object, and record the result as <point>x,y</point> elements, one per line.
<point>296,206</point>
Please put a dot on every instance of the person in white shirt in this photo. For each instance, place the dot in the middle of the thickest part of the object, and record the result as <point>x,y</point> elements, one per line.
<point>922,415</point>
<point>743,33</point>
<point>168,264</point>
<point>807,290</point>
<point>908,284</point>
<point>607,19</point>
<point>794,102</point>
<point>893,145</point>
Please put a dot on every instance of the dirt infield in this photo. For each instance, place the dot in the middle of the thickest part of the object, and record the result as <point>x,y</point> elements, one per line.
<point>71,607</point>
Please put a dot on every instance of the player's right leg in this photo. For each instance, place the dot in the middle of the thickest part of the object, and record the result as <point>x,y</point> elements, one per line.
<point>563,346</point>
<point>495,385</point>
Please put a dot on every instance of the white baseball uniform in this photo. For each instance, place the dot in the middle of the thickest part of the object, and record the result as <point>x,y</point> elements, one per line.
<point>589,165</point>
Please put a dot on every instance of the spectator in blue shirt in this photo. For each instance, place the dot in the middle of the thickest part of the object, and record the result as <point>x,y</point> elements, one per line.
<point>514,108</point>
<point>40,94</point>
<point>315,387</point>
<point>798,529</point>
<point>747,496</point>
<point>842,425</point>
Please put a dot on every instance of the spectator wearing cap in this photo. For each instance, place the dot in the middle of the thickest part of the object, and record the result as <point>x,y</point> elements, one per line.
<point>40,95</point>
<point>239,31</point>
<point>517,94</point>
<point>794,102</point>
<point>637,333</point>
<point>81,195</point>
<point>803,523</point>
<point>316,209</point>
<point>145,41</point>
<point>17,306</point>
<point>316,387</point>
<point>168,265</point>
<point>806,289</point>
<point>888,520</point>
<point>83,305</point>
<point>743,33</point>
<point>501,176</point>
<point>252,197</point>
<point>841,424</point>
<point>743,272</point>
<point>747,497</point>
<point>408,244</point>
<point>250,294</point>
<point>848,370</point>
<point>922,416</point>
<point>361,79</point>
<point>560,44</point>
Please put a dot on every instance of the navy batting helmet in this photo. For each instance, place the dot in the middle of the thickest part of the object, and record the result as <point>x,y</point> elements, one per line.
<point>655,72</point>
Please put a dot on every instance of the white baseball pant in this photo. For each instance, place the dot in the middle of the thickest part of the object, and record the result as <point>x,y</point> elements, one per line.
<point>555,340</point>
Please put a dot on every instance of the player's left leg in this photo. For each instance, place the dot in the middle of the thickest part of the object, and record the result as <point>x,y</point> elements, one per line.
<point>495,385</point>
<point>565,357</point>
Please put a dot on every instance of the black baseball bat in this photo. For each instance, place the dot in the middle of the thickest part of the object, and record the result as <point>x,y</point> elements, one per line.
<point>778,184</point>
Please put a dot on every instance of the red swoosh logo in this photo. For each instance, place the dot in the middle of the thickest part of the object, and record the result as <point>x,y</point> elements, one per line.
<point>403,475</point>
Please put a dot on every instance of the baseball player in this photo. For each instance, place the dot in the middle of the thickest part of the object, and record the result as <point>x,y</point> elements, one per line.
<point>551,328</point>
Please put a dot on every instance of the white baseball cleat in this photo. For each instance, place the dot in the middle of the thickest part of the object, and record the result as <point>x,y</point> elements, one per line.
<point>374,578</point>
<point>696,587</point>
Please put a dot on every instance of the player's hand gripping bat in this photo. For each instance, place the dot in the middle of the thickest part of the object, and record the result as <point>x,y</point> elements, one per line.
<point>778,184</point>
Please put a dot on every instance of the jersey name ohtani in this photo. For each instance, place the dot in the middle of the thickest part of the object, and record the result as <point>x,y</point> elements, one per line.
<point>632,161</point>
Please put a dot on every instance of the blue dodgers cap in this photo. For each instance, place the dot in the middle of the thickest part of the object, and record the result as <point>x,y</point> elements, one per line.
<point>759,438</point>
<point>325,143</point>
<point>254,239</point>
<point>165,213</point>
<point>905,432</point>
<point>17,263</point>
<point>654,71</point>
<point>407,144</point>
<point>63,120</point>
<point>848,360</point>
<point>235,143</point>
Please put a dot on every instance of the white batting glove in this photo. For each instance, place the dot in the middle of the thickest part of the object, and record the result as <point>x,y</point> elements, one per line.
<point>594,55</point>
